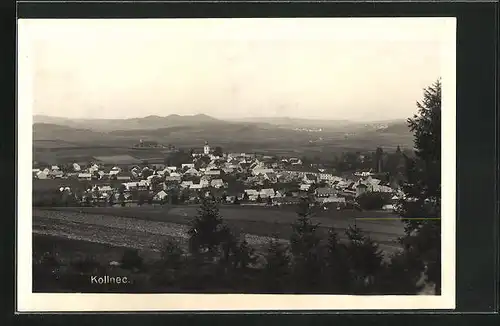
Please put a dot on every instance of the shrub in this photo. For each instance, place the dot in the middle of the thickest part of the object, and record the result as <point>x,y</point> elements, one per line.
<point>87,264</point>
<point>277,269</point>
<point>372,200</point>
<point>131,259</point>
<point>364,258</point>
<point>172,254</point>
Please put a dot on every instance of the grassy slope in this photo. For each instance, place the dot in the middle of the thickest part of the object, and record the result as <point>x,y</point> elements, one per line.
<point>262,221</point>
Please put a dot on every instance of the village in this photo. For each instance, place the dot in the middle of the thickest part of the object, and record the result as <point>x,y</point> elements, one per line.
<point>231,178</point>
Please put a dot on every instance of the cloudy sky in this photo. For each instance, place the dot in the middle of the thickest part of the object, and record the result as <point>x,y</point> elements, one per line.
<point>358,69</point>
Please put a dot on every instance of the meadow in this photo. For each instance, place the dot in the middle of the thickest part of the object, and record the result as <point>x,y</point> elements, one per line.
<point>263,221</point>
<point>58,152</point>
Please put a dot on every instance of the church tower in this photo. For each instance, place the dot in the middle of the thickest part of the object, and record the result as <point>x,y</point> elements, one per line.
<point>206,149</point>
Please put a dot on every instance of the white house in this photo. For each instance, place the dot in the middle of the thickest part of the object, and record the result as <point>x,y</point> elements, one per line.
<point>160,195</point>
<point>261,170</point>
<point>326,177</point>
<point>217,183</point>
<point>305,187</point>
<point>192,171</point>
<point>212,172</point>
<point>196,186</point>
<point>42,175</point>
<point>172,178</point>
<point>251,192</point>
<point>76,167</point>
<point>388,207</point>
<point>379,188</point>
<point>265,193</point>
<point>339,200</point>
<point>56,174</point>
<point>309,178</point>
<point>186,184</point>
<point>115,172</point>
<point>204,183</point>
<point>361,189</point>
<point>84,176</point>
<point>105,188</point>
<point>55,168</point>
<point>187,166</point>
<point>325,192</point>
<point>206,149</point>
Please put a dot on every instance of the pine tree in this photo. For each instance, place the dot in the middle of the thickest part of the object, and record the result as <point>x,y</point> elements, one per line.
<point>402,275</point>
<point>421,208</point>
<point>244,255</point>
<point>337,275</point>
<point>277,269</point>
<point>305,249</point>
<point>364,258</point>
<point>207,229</point>
<point>172,254</point>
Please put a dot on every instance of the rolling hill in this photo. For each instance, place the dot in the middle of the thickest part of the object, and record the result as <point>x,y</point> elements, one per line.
<point>269,136</point>
<point>149,122</point>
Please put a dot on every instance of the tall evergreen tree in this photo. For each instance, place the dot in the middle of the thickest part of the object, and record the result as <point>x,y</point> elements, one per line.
<point>305,247</point>
<point>337,273</point>
<point>364,257</point>
<point>421,207</point>
<point>207,229</point>
<point>277,269</point>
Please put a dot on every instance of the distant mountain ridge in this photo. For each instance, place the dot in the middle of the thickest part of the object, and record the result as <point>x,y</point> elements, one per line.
<point>148,122</point>
<point>175,120</point>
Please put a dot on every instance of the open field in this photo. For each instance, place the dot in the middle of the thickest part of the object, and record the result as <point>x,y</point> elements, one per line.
<point>55,152</point>
<point>257,221</point>
<point>117,230</point>
<point>71,249</point>
<point>54,184</point>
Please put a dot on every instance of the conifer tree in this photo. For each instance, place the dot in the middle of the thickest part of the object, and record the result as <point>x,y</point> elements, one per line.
<point>207,229</point>
<point>364,259</point>
<point>277,269</point>
<point>337,274</point>
<point>421,207</point>
<point>304,242</point>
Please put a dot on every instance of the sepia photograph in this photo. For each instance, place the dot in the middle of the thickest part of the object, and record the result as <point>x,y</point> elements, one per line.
<point>236,164</point>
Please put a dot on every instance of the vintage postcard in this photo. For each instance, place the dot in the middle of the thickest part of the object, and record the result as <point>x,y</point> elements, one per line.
<point>236,164</point>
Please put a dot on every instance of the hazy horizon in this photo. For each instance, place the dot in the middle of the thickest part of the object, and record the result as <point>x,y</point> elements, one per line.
<point>336,69</point>
<point>219,118</point>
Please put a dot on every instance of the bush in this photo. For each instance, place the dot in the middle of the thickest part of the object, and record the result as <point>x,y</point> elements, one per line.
<point>364,259</point>
<point>172,254</point>
<point>277,269</point>
<point>372,200</point>
<point>131,259</point>
<point>87,264</point>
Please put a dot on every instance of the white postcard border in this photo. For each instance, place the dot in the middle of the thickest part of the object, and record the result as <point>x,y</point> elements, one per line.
<point>38,302</point>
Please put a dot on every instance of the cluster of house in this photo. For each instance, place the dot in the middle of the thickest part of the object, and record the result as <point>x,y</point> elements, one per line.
<point>262,176</point>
